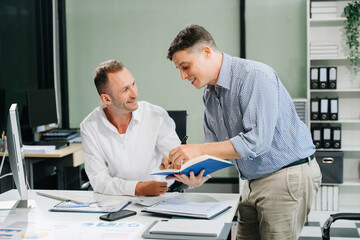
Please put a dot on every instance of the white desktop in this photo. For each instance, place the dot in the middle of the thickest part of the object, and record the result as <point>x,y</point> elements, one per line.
<point>39,221</point>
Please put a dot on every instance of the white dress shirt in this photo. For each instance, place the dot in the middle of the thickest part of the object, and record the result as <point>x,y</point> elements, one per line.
<point>115,162</point>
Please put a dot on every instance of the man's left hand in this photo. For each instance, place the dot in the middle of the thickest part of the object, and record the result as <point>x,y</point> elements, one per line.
<point>192,180</point>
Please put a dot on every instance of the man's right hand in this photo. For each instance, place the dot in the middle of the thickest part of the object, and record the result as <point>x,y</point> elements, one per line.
<point>150,188</point>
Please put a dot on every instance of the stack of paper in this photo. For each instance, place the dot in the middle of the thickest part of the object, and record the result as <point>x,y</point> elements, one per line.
<point>324,49</point>
<point>323,9</point>
<point>38,148</point>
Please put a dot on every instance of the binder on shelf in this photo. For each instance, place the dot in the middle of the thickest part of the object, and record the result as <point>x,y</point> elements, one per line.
<point>333,108</point>
<point>324,109</point>
<point>332,73</point>
<point>330,196</point>
<point>336,198</point>
<point>318,200</point>
<point>316,134</point>
<point>323,79</point>
<point>326,137</point>
<point>324,196</point>
<point>314,78</point>
<point>315,109</point>
<point>336,137</point>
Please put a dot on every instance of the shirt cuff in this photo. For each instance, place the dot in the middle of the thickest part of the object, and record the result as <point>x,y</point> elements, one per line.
<point>130,187</point>
<point>241,147</point>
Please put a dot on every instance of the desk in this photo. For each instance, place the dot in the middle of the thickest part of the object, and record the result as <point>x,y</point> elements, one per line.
<point>40,213</point>
<point>65,159</point>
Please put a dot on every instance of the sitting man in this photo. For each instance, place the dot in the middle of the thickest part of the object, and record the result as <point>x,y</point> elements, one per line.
<point>124,140</point>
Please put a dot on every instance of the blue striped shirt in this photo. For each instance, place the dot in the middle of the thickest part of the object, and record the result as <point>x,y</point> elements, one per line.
<point>251,107</point>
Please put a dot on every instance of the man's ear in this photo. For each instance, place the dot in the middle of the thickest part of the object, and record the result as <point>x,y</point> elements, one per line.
<point>206,51</point>
<point>105,98</point>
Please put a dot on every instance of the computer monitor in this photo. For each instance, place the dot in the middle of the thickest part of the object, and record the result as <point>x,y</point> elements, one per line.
<point>41,107</point>
<point>16,157</point>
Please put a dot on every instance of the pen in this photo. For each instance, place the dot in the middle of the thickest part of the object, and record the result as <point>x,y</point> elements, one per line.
<point>182,142</point>
<point>127,204</point>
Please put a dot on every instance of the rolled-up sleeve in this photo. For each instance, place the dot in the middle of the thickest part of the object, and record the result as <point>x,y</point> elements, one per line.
<point>259,106</point>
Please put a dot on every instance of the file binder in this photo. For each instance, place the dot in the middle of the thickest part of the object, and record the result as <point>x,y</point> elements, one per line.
<point>324,109</point>
<point>324,202</point>
<point>326,137</point>
<point>314,109</point>
<point>332,73</point>
<point>333,107</point>
<point>336,137</point>
<point>314,78</point>
<point>323,79</point>
<point>316,134</point>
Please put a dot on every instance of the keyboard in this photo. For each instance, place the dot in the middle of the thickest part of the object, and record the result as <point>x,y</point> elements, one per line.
<point>60,134</point>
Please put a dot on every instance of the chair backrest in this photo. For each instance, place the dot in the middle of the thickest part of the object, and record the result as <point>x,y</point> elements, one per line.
<point>179,117</point>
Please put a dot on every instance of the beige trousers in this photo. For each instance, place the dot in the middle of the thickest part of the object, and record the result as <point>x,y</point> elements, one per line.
<point>276,205</point>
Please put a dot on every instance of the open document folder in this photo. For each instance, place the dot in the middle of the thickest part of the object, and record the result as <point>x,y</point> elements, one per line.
<point>175,207</point>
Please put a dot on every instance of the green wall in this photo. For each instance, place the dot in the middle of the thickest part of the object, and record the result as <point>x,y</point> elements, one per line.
<point>276,35</point>
<point>138,32</point>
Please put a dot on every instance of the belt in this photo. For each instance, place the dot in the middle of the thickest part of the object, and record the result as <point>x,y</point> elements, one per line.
<point>301,161</point>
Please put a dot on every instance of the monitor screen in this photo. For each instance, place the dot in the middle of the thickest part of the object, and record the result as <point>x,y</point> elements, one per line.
<point>16,158</point>
<point>41,107</point>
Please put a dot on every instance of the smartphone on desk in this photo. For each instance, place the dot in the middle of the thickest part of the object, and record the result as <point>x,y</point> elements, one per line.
<point>117,215</point>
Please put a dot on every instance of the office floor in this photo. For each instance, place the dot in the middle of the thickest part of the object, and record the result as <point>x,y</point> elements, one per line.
<point>341,229</point>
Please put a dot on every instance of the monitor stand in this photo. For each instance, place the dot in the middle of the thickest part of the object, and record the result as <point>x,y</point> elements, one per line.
<point>10,205</point>
<point>30,203</point>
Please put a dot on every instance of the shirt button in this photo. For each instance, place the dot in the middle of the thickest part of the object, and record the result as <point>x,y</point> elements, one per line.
<point>222,119</point>
<point>226,138</point>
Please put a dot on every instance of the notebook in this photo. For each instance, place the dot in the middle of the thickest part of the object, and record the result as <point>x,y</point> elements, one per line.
<point>222,236</point>
<point>190,227</point>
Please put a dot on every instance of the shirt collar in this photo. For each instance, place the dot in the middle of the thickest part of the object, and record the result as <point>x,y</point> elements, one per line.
<point>225,72</point>
<point>224,76</point>
<point>135,115</point>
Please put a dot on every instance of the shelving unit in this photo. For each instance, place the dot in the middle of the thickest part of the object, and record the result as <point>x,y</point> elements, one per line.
<point>348,94</point>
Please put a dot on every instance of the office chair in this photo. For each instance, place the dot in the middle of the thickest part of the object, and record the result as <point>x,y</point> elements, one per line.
<point>333,218</point>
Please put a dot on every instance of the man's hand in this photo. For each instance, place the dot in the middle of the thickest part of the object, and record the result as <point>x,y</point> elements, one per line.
<point>183,153</point>
<point>165,163</point>
<point>150,188</point>
<point>192,180</point>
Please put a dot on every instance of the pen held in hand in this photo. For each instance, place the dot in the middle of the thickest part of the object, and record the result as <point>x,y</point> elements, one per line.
<point>182,142</point>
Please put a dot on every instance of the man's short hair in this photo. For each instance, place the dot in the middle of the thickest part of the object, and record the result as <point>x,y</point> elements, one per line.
<point>100,74</point>
<point>189,37</point>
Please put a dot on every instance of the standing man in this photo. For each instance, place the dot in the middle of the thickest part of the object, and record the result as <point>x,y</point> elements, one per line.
<point>124,140</point>
<point>249,118</point>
